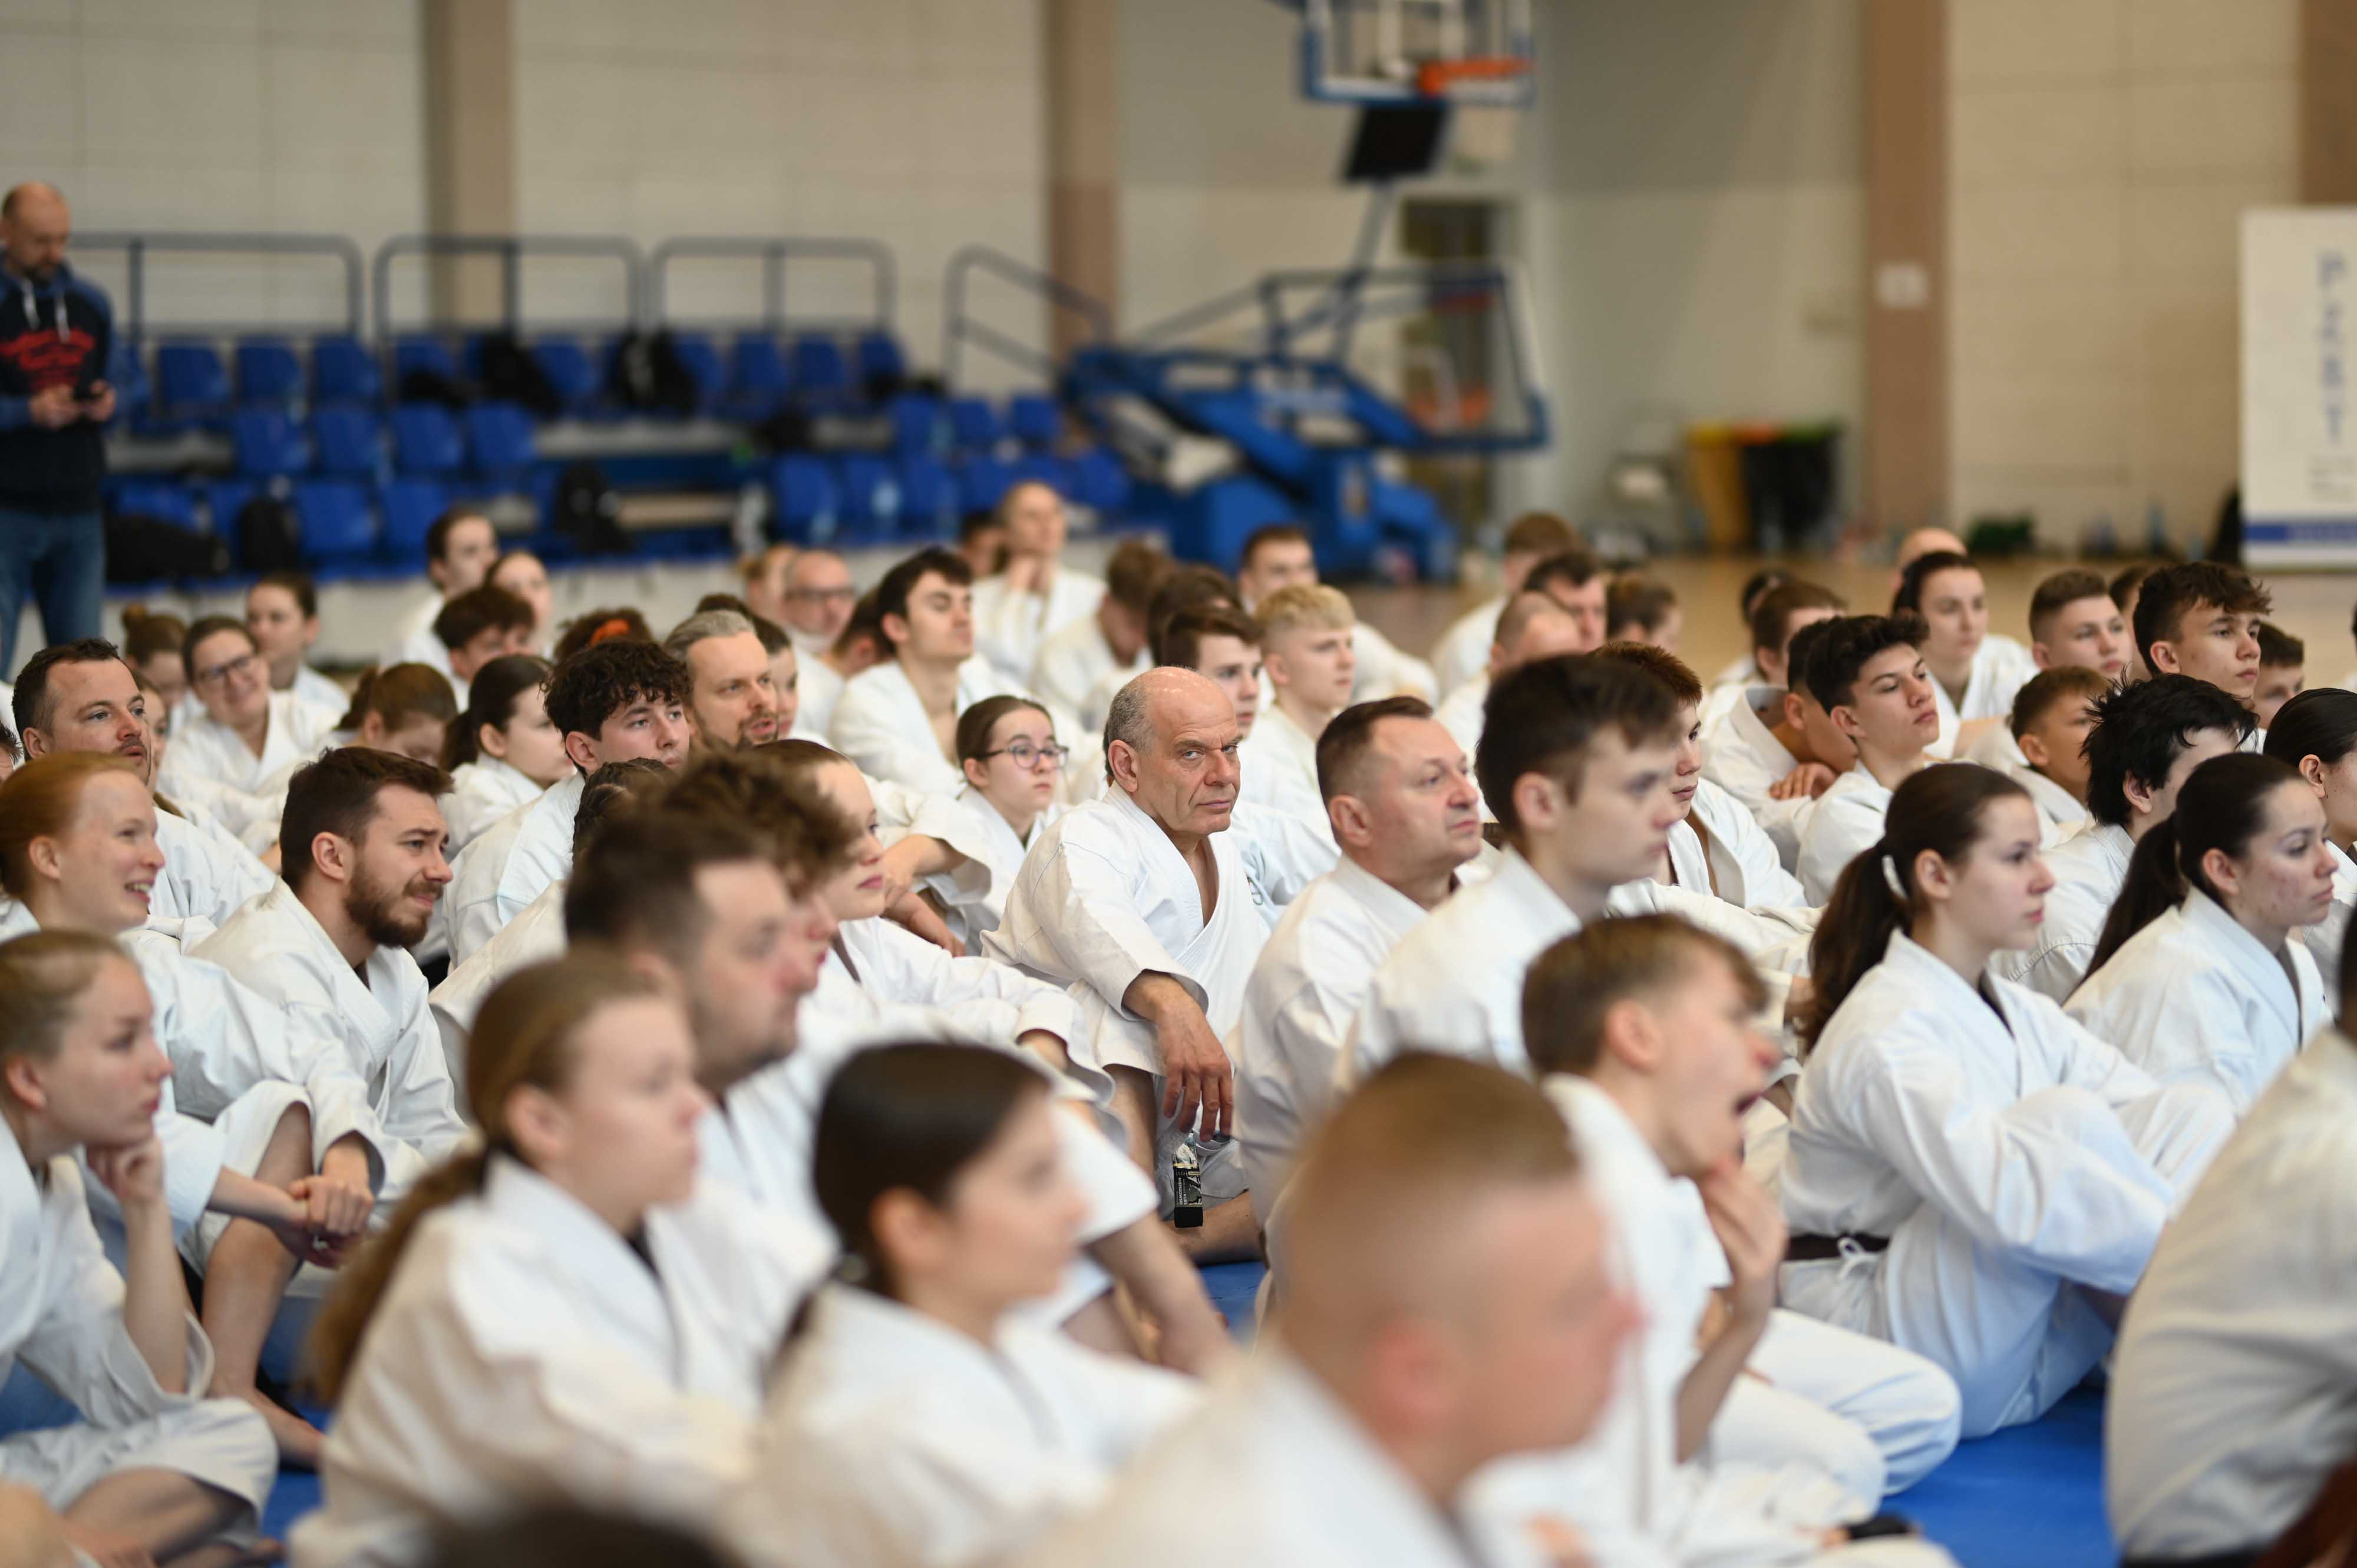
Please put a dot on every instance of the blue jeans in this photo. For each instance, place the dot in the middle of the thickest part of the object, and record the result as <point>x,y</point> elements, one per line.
<point>60,560</point>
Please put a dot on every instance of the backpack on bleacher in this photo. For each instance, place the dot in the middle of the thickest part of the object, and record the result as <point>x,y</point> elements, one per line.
<point>269,538</point>
<point>511,373</point>
<point>141,548</point>
<point>646,373</point>
<point>587,510</point>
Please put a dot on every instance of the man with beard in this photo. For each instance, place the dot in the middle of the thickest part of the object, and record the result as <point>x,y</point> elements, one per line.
<point>732,698</point>
<point>81,696</point>
<point>362,840</point>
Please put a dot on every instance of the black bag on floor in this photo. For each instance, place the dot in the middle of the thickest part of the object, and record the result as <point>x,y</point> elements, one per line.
<point>587,510</point>
<point>151,549</point>
<point>269,538</point>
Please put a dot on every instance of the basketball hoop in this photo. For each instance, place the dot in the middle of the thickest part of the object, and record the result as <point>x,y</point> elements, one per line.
<point>1444,77</point>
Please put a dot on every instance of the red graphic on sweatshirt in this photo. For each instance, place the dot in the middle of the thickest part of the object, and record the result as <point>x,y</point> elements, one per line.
<point>46,359</point>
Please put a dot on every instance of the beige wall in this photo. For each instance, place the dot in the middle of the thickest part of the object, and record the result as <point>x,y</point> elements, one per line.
<point>2102,152</point>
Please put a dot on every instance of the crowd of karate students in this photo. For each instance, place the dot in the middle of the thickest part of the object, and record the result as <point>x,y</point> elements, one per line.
<point>1674,1114</point>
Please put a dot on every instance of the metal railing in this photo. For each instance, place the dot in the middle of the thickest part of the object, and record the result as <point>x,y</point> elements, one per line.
<point>511,250</point>
<point>776,256</point>
<point>958,325</point>
<point>138,248</point>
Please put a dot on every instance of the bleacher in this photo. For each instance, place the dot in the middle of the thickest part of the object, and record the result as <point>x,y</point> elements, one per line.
<point>709,436</point>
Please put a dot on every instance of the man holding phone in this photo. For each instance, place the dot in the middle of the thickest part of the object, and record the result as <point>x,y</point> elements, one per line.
<point>55,331</point>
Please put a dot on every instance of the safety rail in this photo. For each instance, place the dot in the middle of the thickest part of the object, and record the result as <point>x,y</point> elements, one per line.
<point>958,325</point>
<point>138,247</point>
<point>775,255</point>
<point>511,251</point>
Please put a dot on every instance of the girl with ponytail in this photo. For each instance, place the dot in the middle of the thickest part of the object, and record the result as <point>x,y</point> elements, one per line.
<point>2198,978</point>
<point>503,750</point>
<point>565,1313</point>
<point>405,708</point>
<point>1971,1175</point>
<point>921,1415</point>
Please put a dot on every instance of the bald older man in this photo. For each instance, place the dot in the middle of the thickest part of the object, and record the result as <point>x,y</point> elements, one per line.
<point>55,331</point>
<point>1148,908</point>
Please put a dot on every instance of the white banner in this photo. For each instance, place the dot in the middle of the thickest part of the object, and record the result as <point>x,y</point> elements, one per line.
<point>2299,421</point>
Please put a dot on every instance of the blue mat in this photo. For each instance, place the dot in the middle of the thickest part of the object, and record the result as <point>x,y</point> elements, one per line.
<point>2030,1497</point>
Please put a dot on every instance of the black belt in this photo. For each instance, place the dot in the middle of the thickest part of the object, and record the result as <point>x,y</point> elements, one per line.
<point>1824,1248</point>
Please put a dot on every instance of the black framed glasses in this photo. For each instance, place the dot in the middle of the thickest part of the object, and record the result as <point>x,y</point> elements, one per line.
<point>1027,756</point>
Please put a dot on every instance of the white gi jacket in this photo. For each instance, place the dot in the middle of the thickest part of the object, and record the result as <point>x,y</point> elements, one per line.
<point>510,864</point>
<point>2193,998</point>
<point>879,723</point>
<point>524,1349</point>
<point>2234,1392</point>
<point>482,792</point>
<point>1463,650</point>
<point>207,873</point>
<point>1384,669</point>
<point>1075,671</point>
<point>1741,754</point>
<point>1462,714</point>
<point>61,1316</point>
<point>203,747</point>
<point>413,636</point>
<point>974,897</point>
<point>817,689</point>
<point>1299,1483</point>
<point>320,691</point>
<point>1285,756</point>
<point>2001,667</point>
<point>1846,822</point>
<point>276,948</point>
<point>1995,1144</point>
<point>1453,983</point>
<point>1308,984</point>
<point>2090,867</point>
<point>1010,627</point>
<point>2324,938</point>
<point>2060,814</point>
<point>534,937</point>
<point>891,1437</point>
<point>1741,866</point>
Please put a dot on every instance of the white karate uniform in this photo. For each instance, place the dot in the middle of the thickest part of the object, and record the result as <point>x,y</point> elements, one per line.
<point>1308,984</point>
<point>2089,868</point>
<point>413,636</point>
<point>1732,686</point>
<point>879,723</point>
<point>974,897</point>
<point>1010,627</point>
<point>2060,814</point>
<point>321,691</point>
<point>535,935</point>
<point>480,793</point>
<point>276,947</point>
<point>891,1437</point>
<point>203,747</point>
<point>511,863</point>
<point>61,1316</point>
<point>1453,983</point>
<point>1995,747</point>
<point>1462,714</point>
<point>523,1350</point>
<point>2235,1391</point>
<point>2001,667</point>
<point>1741,865</point>
<point>1463,650</point>
<point>2005,1156</point>
<point>2193,998</point>
<point>1742,755</point>
<point>1384,669</point>
<point>1299,1482</point>
<point>1074,665</point>
<point>1285,756</point>
<point>2323,939</point>
<point>1847,821</point>
<point>817,689</point>
<point>207,873</point>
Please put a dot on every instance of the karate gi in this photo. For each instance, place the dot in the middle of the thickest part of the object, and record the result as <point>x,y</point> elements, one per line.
<point>1384,669</point>
<point>203,747</point>
<point>2193,998</point>
<point>321,692</point>
<point>1741,865</point>
<point>61,1316</point>
<point>523,1350</point>
<point>1453,983</point>
<point>1846,822</point>
<point>1284,755</point>
<point>817,689</point>
<point>482,792</point>
<point>2235,1391</point>
<point>974,897</point>
<point>1742,755</point>
<point>207,873</point>
<point>1075,665</point>
<point>2001,667</point>
<point>2323,939</point>
<point>1729,687</point>
<point>1463,650</point>
<point>276,948</point>
<point>1461,715</point>
<point>413,641</point>
<point>535,935</point>
<point>2090,867</point>
<point>1306,987</point>
<point>891,1437</point>
<point>511,863</point>
<point>1009,627</point>
<point>2060,814</point>
<point>2006,1158</point>
<point>879,723</point>
<point>1299,1482</point>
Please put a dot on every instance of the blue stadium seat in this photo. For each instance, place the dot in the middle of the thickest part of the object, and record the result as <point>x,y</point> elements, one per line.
<point>802,490</point>
<point>974,423</point>
<point>702,362</point>
<point>268,374</point>
<point>870,490</point>
<point>344,372</point>
<point>569,371</point>
<point>191,386</point>
<point>982,480</point>
<point>425,440</point>
<point>167,501</point>
<point>269,445</point>
<point>881,360</point>
<point>929,499</point>
<point>346,442</point>
<point>498,438</point>
<point>759,382</point>
<point>225,499</point>
<point>128,377</point>
<point>916,425</point>
<point>336,523</point>
<point>1044,469</point>
<point>410,507</point>
<point>1034,420</point>
<point>1101,482</point>
<point>821,378</point>
<point>421,351</point>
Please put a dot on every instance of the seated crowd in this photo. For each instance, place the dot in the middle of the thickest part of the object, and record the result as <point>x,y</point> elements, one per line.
<point>774,1078</point>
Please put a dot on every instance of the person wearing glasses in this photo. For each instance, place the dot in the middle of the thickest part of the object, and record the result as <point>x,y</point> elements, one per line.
<point>811,595</point>
<point>244,735</point>
<point>1007,748</point>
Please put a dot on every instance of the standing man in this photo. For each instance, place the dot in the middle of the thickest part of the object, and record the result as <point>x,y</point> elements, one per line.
<point>55,331</point>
